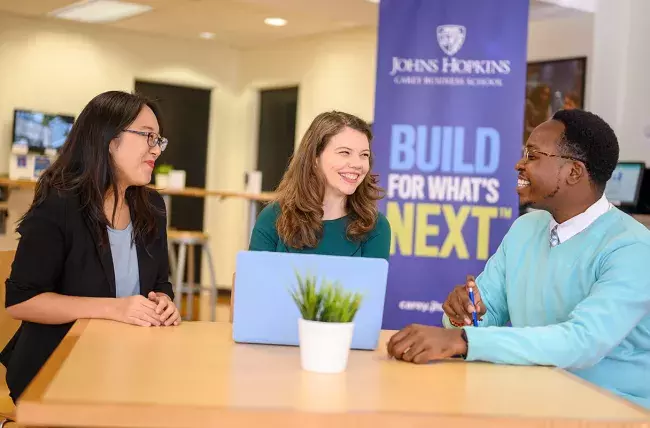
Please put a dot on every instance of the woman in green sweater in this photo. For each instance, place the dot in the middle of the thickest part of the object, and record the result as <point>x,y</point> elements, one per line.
<point>327,200</point>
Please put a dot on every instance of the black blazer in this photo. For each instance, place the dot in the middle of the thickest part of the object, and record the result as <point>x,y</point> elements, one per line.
<point>57,252</point>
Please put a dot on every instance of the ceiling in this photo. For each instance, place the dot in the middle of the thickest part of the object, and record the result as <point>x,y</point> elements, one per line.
<point>239,23</point>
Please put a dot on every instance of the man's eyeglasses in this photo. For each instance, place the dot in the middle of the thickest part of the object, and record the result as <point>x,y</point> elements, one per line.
<point>528,153</point>
<point>152,138</point>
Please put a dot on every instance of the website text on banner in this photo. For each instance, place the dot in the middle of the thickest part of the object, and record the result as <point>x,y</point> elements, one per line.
<point>448,127</point>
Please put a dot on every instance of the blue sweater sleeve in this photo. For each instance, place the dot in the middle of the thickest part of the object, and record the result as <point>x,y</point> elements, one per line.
<point>491,284</point>
<point>618,300</point>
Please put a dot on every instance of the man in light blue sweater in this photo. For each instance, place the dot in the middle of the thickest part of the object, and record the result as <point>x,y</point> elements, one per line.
<point>573,279</point>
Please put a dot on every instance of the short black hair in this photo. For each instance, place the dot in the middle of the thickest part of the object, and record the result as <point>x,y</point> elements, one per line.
<point>589,138</point>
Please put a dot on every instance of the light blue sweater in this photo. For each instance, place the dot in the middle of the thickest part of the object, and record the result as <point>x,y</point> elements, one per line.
<point>583,305</point>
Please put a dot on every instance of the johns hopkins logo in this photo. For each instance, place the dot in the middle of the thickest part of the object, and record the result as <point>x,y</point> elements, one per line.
<point>451,38</point>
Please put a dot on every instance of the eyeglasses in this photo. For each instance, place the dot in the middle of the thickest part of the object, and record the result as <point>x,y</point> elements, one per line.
<point>528,152</point>
<point>152,138</point>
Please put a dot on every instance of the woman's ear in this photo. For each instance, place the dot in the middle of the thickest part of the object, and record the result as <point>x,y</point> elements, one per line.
<point>112,146</point>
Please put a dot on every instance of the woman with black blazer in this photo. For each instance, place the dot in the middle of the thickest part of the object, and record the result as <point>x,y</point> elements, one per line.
<point>93,244</point>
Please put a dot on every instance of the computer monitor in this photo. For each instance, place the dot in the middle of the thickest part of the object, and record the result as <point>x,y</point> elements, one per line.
<point>39,131</point>
<point>623,187</point>
<point>644,194</point>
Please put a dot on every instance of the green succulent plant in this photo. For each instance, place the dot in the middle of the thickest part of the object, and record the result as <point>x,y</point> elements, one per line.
<point>164,168</point>
<point>327,303</point>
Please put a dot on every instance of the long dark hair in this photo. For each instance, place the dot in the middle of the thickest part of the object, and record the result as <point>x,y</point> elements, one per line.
<point>84,166</point>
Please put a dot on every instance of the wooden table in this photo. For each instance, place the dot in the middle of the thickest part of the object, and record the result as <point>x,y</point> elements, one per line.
<point>107,374</point>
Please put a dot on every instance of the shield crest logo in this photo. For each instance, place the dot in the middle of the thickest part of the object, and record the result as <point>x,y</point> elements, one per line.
<point>451,38</point>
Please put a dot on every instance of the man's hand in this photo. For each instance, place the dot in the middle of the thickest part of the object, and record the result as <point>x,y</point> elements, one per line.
<point>165,308</point>
<point>421,344</point>
<point>459,308</point>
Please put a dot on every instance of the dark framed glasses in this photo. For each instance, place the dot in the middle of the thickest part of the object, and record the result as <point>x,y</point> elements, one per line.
<point>153,139</point>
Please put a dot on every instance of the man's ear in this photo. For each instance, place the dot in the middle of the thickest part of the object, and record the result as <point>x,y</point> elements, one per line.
<point>577,173</point>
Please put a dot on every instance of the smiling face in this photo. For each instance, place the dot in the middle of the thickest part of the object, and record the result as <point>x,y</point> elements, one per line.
<point>345,162</point>
<point>542,177</point>
<point>133,158</point>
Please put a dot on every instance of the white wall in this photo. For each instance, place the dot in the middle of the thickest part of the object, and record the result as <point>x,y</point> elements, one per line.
<point>52,66</point>
<point>563,38</point>
<point>338,71</point>
<point>56,66</point>
<point>333,72</point>
<point>620,85</point>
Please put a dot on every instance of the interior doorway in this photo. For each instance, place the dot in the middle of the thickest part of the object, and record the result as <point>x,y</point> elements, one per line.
<point>185,113</point>
<point>277,133</point>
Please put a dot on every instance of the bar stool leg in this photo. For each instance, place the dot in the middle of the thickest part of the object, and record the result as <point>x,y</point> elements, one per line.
<point>172,259</point>
<point>190,282</point>
<point>180,268</point>
<point>213,280</point>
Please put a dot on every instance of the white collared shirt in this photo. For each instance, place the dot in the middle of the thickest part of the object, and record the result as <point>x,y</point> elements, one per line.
<point>577,224</point>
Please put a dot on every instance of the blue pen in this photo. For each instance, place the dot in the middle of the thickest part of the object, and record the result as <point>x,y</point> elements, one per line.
<point>471,298</point>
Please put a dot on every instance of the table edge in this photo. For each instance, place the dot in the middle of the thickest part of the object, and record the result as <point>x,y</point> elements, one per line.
<point>37,387</point>
<point>632,405</point>
<point>151,416</point>
<point>32,411</point>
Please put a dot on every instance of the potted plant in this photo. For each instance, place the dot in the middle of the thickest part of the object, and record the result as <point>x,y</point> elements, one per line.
<point>326,325</point>
<point>162,175</point>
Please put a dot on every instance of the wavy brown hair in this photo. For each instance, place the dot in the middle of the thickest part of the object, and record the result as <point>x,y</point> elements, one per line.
<point>302,189</point>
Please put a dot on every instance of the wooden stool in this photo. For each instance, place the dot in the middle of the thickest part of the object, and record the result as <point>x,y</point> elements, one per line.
<point>186,240</point>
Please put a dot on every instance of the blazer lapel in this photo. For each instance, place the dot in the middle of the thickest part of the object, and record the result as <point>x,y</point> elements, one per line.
<point>146,264</point>
<point>106,258</point>
<point>145,267</point>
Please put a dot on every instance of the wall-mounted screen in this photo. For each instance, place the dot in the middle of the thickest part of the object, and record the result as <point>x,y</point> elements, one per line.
<point>39,131</point>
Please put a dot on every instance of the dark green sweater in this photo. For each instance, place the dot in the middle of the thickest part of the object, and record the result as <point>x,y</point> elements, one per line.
<point>334,241</point>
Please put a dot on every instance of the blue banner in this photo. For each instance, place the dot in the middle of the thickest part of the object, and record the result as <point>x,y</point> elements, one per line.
<point>449,113</point>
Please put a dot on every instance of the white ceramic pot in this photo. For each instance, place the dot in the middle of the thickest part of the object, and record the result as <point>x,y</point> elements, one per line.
<point>324,346</point>
<point>162,181</point>
<point>177,179</point>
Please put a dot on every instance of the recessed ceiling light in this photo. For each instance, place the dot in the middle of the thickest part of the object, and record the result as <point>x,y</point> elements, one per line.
<point>275,22</point>
<point>206,35</point>
<point>373,1</point>
<point>100,10</point>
